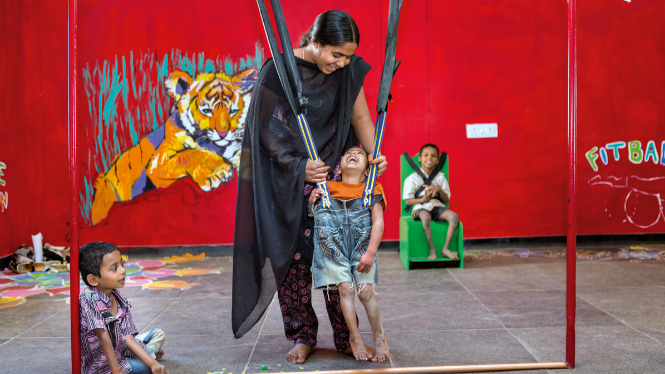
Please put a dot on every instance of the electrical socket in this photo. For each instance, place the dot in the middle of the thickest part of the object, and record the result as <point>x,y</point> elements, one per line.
<point>482,130</point>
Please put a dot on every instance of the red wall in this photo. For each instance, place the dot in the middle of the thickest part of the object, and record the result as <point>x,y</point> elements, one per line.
<point>33,115</point>
<point>463,61</point>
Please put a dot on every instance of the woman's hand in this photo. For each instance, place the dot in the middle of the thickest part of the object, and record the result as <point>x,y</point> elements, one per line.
<point>365,263</point>
<point>315,195</point>
<point>316,171</point>
<point>381,162</point>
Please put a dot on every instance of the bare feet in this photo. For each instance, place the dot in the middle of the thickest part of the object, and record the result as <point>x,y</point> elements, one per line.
<point>432,255</point>
<point>159,355</point>
<point>370,351</point>
<point>298,354</point>
<point>358,347</point>
<point>449,254</point>
<point>382,353</point>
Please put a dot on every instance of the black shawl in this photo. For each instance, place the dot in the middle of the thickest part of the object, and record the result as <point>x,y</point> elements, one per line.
<point>271,179</point>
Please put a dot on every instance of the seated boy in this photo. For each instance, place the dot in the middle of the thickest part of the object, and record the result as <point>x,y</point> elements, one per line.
<point>109,340</point>
<point>347,237</point>
<point>430,204</point>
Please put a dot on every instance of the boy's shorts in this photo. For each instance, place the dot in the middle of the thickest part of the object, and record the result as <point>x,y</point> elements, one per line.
<point>435,212</point>
<point>341,236</point>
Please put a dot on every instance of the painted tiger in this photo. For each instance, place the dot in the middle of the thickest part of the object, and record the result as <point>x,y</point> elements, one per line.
<point>201,139</point>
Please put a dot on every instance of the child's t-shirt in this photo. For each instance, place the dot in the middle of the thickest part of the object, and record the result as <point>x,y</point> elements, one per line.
<point>348,191</point>
<point>414,181</point>
<point>95,313</point>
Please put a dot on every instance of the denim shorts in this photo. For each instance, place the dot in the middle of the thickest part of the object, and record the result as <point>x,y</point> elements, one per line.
<point>341,236</point>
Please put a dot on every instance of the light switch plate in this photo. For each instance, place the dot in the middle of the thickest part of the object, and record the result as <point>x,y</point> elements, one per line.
<point>482,130</point>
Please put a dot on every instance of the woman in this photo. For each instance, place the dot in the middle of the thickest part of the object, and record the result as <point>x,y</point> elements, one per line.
<point>273,245</point>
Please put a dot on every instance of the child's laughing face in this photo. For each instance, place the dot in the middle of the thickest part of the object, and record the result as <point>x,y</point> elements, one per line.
<point>355,159</point>
<point>428,158</point>
<point>112,272</point>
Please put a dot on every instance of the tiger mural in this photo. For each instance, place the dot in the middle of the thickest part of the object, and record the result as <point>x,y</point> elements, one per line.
<point>201,139</point>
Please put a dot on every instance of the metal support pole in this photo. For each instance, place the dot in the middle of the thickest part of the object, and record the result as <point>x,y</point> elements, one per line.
<point>74,201</point>
<point>447,369</point>
<point>571,251</point>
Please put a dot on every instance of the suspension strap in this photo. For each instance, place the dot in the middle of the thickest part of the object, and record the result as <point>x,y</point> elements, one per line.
<point>390,66</point>
<point>288,68</point>
<point>313,155</point>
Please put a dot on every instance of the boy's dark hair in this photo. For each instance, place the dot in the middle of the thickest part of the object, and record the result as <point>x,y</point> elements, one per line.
<point>91,256</point>
<point>430,145</point>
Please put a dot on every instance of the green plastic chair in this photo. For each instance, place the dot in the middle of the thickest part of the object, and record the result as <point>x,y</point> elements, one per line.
<point>413,247</point>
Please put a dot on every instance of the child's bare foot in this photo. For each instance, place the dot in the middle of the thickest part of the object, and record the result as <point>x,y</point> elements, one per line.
<point>382,353</point>
<point>358,347</point>
<point>159,355</point>
<point>448,253</point>
<point>370,351</point>
<point>298,354</point>
<point>432,255</point>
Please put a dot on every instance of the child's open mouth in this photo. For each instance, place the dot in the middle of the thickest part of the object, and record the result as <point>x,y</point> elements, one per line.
<point>352,159</point>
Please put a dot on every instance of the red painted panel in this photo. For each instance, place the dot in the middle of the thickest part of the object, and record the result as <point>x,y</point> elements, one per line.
<point>13,219</point>
<point>53,69</point>
<point>505,63</point>
<point>621,99</point>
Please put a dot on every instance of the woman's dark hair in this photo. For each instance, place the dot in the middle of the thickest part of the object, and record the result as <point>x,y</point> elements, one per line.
<point>334,28</point>
<point>91,257</point>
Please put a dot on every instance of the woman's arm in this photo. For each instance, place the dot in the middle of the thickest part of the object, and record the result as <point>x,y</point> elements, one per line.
<point>364,128</point>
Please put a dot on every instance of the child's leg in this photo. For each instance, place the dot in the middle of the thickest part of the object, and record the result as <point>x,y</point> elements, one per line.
<point>426,218</point>
<point>339,326</point>
<point>367,297</point>
<point>347,295</point>
<point>453,221</point>
<point>153,341</point>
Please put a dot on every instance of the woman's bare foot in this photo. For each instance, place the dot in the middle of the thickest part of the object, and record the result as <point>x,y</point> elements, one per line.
<point>358,347</point>
<point>382,353</point>
<point>299,353</point>
<point>370,351</point>
<point>159,355</point>
<point>448,253</point>
<point>432,255</point>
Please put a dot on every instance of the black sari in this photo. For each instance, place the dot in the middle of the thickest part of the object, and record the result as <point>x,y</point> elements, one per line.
<point>271,180</point>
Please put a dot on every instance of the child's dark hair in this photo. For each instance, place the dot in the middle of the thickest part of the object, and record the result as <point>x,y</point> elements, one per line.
<point>91,256</point>
<point>430,145</point>
<point>333,28</point>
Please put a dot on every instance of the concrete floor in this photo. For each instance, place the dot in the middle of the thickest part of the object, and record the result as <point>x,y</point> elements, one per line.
<point>504,307</point>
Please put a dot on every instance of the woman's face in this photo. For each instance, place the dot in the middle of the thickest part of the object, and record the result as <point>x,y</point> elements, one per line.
<point>331,58</point>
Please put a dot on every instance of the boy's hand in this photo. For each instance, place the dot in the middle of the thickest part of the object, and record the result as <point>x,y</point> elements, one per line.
<point>315,195</point>
<point>435,190</point>
<point>159,369</point>
<point>366,262</point>
<point>427,196</point>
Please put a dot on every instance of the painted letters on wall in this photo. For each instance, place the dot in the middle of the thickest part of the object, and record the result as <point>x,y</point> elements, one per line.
<point>4,195</point>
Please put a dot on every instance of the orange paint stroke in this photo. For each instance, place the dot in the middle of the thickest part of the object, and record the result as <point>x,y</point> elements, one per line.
<point>169,284</point>
<point>7,302</point>
<point>175,259</point>
<point>190,271</point>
